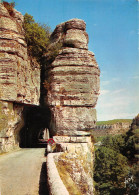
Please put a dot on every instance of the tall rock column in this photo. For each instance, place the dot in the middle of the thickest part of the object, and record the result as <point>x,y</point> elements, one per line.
<point>72,82</point>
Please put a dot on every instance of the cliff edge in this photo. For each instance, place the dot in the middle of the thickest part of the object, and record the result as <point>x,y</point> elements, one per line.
<point>19,78</point>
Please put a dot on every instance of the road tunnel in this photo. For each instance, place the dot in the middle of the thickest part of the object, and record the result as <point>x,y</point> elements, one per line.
<point>36,125</point>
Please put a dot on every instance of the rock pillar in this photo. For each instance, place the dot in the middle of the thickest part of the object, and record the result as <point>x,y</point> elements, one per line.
<point>73,81</point>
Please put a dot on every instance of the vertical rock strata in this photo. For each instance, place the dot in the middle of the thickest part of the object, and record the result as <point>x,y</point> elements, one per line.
<point>19,78</point>
<point>73,81</point>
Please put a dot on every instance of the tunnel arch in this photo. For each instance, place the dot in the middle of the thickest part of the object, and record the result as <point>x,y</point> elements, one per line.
<point>36,120</point>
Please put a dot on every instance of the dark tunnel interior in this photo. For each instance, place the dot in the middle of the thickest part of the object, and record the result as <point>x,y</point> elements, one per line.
<point>36,119</point>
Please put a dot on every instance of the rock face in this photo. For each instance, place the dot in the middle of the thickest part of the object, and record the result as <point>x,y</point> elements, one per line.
<point>72,84</point>
<point>19,78</point>
<point>71,90</point>
<point>11,122</point>
<point>114,129</point>
<point>73,81</point>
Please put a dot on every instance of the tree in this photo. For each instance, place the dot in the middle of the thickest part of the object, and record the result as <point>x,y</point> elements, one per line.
<point>9,7</point>
<point>132,139</point>
<point>38,41</point>
<point>116,162</point>
<point>37,37</point>
<point>116,143</point>
<point>110,171</point>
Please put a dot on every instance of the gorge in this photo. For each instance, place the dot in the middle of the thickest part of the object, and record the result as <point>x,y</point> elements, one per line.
<point>61,96</point>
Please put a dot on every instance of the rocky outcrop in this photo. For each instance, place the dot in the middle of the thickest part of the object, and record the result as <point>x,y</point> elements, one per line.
<point>72,81</point>
<point>11,122</point>
<point>114,129</point>
<point>71,84</point>
<point>72,88</point>
<point>19,78</point>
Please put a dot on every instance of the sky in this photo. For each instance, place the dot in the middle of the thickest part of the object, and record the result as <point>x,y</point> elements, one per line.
<point>112,26</point>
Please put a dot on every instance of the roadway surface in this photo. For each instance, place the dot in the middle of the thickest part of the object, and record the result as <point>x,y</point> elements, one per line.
<point>23,172</point>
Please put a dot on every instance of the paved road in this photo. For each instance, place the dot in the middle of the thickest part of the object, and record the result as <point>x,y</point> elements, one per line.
<point>23,172</point>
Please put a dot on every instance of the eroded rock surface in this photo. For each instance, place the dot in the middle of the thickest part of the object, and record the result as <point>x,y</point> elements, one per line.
<point>19,76</point>
<point>114,129</point>
<point>11,122</point>
<point>72,85</point>
<point>72,81</point>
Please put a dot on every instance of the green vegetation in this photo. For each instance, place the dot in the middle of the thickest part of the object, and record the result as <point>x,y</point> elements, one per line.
<point>100,138</point>
<point>38,40</point>
<point>116,143</point>
<point>111,122</point>
<point>52,51</point>
<point>110,171</point>
<point>116,162</point>
<point>9,7</point>
<point>37,37</point>
<point>132,139</point>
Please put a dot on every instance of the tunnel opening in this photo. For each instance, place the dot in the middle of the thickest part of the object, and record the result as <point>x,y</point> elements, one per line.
<point>35,131</point>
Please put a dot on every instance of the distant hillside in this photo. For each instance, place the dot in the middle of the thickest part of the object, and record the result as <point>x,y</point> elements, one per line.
<point>111,122</point>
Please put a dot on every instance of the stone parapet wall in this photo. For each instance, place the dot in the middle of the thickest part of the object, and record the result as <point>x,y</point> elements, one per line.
<point>75,163</point>
<point>72,139</point>
<point>56,186</point>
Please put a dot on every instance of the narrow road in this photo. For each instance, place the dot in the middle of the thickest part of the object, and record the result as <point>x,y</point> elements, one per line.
<point>23,172</point>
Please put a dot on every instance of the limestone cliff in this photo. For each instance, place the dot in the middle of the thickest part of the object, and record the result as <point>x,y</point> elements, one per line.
<point>114,129</point>
<point>11,122</point>
<point>72,81</point>
<point>19,78</point>
<point>72,88</point>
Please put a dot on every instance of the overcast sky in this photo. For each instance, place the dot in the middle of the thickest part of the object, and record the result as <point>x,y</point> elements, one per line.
<point>113,37</point>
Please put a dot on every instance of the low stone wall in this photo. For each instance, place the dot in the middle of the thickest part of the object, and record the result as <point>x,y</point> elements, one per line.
<point>78,154</point>
<point>56,186</point>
